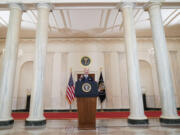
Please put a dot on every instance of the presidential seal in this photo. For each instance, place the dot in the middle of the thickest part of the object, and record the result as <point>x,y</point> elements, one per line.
<point>86,87</point>
<point>85,61</point>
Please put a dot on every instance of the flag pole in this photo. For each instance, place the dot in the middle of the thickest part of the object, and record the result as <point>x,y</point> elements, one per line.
<point>101,108</point>
<point>101,102</point>
<point>101,69</point>
<point>70,107</point>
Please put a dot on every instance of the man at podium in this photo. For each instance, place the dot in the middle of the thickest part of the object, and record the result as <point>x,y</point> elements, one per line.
<point>85,76</point>
<point>86,86</point>
<point>86,92</point>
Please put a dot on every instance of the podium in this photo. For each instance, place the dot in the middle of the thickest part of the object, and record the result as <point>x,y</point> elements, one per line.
<point>86,93</point>
<point>86,112</point>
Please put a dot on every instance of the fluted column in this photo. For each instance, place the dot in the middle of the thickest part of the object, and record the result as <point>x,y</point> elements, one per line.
<point>135,95</point>
<point>168,104</point>
<point>9,65</point>
<point>36,117</point>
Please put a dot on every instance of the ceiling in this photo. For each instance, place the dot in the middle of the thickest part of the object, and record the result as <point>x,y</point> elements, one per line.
<point>91,23</point>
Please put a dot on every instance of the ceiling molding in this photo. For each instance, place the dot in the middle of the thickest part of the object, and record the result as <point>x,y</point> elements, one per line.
<point>82,1</point>
<point>139,17</point>
<point>63,18</point>
<point>172,19</point>
<point>3,22</point>
<point>89,4</point>
<point>107,18</point>
<point>69,19</point>
<point>169,16</point>
<point>115,20</point>
<point>55,21</point>
<point>101,18</point>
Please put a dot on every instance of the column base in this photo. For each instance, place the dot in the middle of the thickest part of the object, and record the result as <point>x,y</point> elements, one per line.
<point>7,123</point>
<point>35,123</point>
<point>165,121</point>
<point>143,122</point>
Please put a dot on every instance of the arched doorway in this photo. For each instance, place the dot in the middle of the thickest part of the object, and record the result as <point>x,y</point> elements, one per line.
<point>25,86</point>
<point>147,84</point>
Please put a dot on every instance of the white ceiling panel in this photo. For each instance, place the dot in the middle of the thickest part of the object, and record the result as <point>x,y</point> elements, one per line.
<point>58,17</point>
<point>4,17</point>
<point>170,16</point>
<point>142,20</point>
<point>112,17</point>
<point>84,19</point>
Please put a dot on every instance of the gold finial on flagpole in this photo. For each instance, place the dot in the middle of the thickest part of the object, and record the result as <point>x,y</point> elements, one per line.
<point>70,69</point>
<point>101,69</point>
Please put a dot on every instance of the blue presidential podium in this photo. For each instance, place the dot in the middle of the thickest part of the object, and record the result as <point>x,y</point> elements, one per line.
<point>86,92</point>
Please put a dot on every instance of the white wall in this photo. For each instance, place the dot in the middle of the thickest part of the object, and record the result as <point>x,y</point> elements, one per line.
<point>64,54</point>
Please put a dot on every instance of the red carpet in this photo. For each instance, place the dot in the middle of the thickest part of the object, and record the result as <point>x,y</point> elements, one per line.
<point>74,115</point>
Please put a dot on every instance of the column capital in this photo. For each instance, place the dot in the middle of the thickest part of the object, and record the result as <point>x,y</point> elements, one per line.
<point>125,5</point>
<point>151,5</point>
<point>17,6</point>
<point>44,5</point>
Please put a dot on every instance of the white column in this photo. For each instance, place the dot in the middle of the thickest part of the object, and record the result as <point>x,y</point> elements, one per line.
<point>9,64</point>
<point>163,65</point>
<point>136,104</point>
<point>36,117</point>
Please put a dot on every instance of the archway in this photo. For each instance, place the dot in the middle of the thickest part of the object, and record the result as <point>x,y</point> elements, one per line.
<point>25,85</point>
<point>147,84</point>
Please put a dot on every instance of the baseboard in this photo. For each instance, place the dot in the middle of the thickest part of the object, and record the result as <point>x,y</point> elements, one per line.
<point>112,110</point>
<point>152,109</point>
<point>73,110</point>
<point>20,110</point>
<point>98,110</point>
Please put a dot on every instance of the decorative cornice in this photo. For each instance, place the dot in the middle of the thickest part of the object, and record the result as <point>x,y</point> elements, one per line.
<point>120,6</point>
<point>2,41</point>
<point>17,6</point>
<point>44,5</point>
<point>151,5</point>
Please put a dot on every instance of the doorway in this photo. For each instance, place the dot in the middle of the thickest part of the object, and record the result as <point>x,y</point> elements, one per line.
<point>25,86</point>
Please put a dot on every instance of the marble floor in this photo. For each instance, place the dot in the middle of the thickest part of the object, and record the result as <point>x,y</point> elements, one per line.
<point>104,127</point>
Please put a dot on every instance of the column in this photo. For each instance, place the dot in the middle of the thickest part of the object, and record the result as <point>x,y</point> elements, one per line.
<point>9,65</point>
<point>36,117</point>
<point>135,95</point>
<point>169,112</point>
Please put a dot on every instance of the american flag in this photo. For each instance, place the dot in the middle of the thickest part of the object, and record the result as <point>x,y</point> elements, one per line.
<point>70,90</point>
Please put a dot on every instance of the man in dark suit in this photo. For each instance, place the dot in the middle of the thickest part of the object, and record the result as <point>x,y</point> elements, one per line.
<point>86,76</point>
<point>86,86</point>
